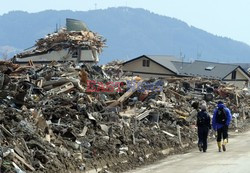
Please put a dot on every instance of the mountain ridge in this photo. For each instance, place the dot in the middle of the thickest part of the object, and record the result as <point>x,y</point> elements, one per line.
<point>129,32</point>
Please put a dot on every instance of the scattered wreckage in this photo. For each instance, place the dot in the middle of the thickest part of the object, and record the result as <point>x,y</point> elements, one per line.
<point>51,122</point>
<point>74,43</point>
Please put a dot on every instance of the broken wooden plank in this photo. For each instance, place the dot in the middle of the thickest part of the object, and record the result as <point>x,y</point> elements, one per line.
<point>17,168</point>
<point>143,115</point>
<point>19,152</point>
<point>84,131</point>
<point>167,133</point>
<point>126,95</point>
<point>6,131</point>
<point>24,162</point>
<point>89,98</point>
<point>177,94</point>
<point>184,114</point>
<point>25,145</point>
<point>236,98</point>
<point>179,135</point>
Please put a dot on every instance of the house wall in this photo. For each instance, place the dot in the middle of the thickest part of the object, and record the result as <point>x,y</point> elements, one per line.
<point>60,55</point>
<point>241,80</point>
<point>154,70</point>
<point>87,55</point>
<point>143,75</point>
<point>50,56</point>
<point>239,75</point>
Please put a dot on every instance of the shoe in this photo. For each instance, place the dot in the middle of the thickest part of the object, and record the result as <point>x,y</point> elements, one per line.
<point>225,141</point>
<point>204,151</point>
<point>224,147</point>
<point>219,146</point>
<point>200,147</point>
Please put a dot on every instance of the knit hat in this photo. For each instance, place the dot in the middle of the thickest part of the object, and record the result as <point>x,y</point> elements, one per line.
<point>204,107</point>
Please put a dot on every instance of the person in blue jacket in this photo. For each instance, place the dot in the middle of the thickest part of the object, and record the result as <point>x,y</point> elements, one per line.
<point>220,122</point>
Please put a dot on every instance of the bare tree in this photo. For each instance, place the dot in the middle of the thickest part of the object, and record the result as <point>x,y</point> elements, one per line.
<point>4,55</point>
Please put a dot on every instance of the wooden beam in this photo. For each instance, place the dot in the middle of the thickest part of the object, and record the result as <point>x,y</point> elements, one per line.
<point>24,162</point>
<point>126,95</point>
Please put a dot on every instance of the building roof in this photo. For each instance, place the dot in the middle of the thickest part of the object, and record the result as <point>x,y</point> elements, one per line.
<point>181,66</point>
<point>204,69</point>
<point>210,70</point>
<point>245,66</point>
<point>163,60</point>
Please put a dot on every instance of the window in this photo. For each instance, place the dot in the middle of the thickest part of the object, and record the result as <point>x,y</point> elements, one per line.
<point>209,68</point>
<point>145,63</point>
<point>234,74</point>
<point>75,54</point>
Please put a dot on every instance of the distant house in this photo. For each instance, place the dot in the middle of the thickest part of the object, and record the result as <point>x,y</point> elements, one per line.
<point>151,66</point>
<point>229,73</point>
<point>163,66</point>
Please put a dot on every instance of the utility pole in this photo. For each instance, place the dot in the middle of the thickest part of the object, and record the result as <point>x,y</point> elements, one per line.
<point>182,57</point>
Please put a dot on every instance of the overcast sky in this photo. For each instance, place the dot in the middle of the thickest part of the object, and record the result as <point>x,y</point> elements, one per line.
<point>230,18</point>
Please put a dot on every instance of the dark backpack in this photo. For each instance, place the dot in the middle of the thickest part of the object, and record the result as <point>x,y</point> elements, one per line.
<point>221,116</point>
<point>201,119</point>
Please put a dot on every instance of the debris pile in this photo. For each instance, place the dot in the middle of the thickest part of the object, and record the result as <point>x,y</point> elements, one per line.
<point>62,117</point>
<point>64,39</point>
<point>113,69</point>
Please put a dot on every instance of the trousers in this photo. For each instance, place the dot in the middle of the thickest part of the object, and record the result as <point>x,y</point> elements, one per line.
<point>202,135</point>
<point>222,133</point>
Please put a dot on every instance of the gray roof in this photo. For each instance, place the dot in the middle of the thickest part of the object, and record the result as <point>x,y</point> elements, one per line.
<point>217,70</point>
<point>165,60</point>
<point>204,69</point>
<point>180,66</point>
<point>245,66</point>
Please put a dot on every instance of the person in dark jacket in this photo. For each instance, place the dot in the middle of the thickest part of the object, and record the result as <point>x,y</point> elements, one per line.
<point>203,124</point>
<point>221,120</point>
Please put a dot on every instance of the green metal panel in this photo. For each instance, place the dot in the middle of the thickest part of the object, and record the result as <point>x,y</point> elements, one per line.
<point>75,25</point>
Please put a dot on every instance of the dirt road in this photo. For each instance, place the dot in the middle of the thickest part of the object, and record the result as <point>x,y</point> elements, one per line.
<point>235,160</point>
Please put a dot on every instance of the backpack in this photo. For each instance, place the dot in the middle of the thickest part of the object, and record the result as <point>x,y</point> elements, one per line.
<point>201,119</point>
<point>221,116</point>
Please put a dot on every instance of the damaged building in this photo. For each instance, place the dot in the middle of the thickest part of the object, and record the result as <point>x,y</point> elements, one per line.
<point>74,43</point>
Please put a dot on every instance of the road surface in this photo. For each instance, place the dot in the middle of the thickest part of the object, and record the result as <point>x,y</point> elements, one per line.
<point>235,160</point>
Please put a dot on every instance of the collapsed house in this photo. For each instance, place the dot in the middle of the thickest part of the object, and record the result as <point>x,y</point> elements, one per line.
<point>74,43</point>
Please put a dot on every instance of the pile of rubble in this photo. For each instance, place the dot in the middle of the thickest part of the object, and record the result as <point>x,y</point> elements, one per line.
<point>64,39</point>
<point>114,69</point>
<point>69,118</point>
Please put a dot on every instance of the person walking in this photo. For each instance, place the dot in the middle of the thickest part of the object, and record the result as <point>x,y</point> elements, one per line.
<point>203,124</point>
<point>221,120</point>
